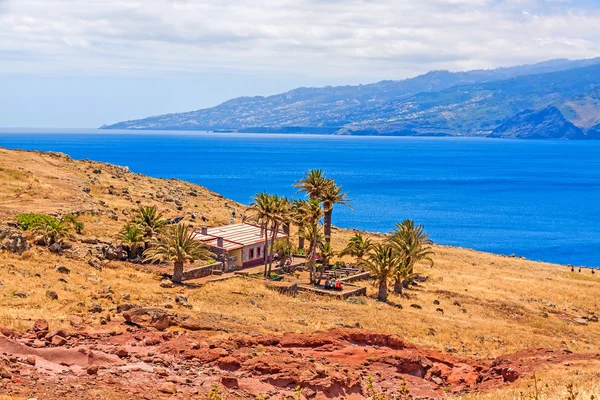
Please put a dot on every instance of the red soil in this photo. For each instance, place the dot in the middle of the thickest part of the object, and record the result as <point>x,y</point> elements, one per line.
<point>148,364</point>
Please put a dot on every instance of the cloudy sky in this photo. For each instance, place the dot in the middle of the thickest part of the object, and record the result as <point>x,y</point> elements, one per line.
<point>82,63</point>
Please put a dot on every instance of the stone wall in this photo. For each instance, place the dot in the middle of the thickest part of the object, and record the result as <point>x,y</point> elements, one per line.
<point>201,272</point>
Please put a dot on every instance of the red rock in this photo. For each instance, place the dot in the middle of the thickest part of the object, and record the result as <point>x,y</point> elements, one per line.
<point>168,388</point>
<point>229,363</point>
<point>40,325</point>
<point>230,382</point>
<point>4,374</point>
<point>92,370</point>
<point>58,340</point>
<point>122,352</point>
<point>31,360</point>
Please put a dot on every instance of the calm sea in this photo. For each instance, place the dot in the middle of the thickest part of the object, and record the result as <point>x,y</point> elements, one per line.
<point>538,199</point>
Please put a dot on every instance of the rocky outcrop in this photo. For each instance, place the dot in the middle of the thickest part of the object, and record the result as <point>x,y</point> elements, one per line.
<point>547,123</point>
<point>13,240</point>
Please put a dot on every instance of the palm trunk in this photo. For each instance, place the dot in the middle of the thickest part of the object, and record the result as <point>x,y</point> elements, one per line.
<point>323,267</point>
<point>263,233</point>
<point>300,242</point>
<point>383,291</point>
<point>327,225</point>
<point>273,237</point>
<point>178,272</point>
<point>398,286</point>
<point>313,255</point>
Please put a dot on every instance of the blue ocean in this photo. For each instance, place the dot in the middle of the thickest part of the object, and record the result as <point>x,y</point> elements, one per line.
<point>538,199</point>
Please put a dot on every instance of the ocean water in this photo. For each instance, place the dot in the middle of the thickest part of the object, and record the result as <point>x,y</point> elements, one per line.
<point>538,199</point>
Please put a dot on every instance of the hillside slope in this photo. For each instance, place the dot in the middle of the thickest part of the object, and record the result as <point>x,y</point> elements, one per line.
<point>547,123</point>
<point>501,318</point>
<point>437,103</point>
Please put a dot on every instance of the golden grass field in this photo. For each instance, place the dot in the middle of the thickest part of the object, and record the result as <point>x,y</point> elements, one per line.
<point>506,299</point>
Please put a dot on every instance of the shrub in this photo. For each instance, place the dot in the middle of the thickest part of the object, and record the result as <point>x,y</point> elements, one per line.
<point>75,223</point>
<point>356,300</point>
<point>27,221</point>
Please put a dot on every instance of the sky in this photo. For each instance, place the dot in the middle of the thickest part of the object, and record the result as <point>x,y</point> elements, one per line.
<point>84,63</point>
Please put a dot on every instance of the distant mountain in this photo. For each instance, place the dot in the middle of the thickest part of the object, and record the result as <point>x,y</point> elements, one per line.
<point>437,103</point>
<point>547,123</point>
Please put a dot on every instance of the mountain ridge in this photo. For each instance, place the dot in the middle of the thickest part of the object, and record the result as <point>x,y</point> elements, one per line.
<point>436,103</point>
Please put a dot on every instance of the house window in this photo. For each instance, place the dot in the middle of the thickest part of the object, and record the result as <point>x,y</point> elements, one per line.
<point>258,252</point>
<point>251,253</point>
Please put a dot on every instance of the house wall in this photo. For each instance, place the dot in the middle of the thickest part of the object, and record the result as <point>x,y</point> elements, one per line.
<point>258,258</point>
<point>238,255</point>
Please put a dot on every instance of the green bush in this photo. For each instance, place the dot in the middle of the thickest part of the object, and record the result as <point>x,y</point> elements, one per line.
<point>29,220</point>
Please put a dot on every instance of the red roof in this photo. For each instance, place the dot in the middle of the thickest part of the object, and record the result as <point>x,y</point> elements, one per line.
<point>235,236</point>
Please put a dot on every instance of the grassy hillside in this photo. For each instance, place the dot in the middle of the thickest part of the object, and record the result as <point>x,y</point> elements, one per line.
<point>492,305</point>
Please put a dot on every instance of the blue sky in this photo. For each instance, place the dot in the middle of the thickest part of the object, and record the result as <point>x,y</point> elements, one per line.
<point>82,63</point>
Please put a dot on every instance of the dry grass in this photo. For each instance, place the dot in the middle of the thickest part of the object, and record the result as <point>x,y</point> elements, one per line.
<point>575,381</point>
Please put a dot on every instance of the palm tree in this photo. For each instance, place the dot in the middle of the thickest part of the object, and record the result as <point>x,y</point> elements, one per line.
<point>51,229</point>
<point>357,247</point>
<point>330,196</point>
<point>312,234</point>
<point>327,254</point>
<point>297,217</point>
<point>132,238</point>
<point>311,215</point>
<point>381,262</point>
<point>279,214</point>
<point>262,207</point>
<point>150,220</point>
<point>177,244</point>
<point>313,183</point>
<point>412,244</point>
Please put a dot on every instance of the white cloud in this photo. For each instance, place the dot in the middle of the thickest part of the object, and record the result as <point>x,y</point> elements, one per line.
<point>321,38</point>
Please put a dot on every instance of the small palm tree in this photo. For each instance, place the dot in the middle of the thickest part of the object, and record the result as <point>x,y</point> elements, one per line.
<point>313,184</point>
<point>132,238</point>
<point>357,247</point>
<point>52,230</point>
<point>412,245</point>
<point>150,220</point>
<point>381,262</point>
<point>330,196</point>
<point>177,244</point>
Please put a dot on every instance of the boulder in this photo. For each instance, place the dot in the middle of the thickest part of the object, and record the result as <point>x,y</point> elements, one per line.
<point>58,340</point>
<point>148,317</point>
<point>112,252</point>
<point>62,269</point>
<point>126,307</point>
<point>95,308</point>
<point>51,294</point>
<point>21,294</point>
<point>95,263</point>
<point>12,239</point>
<point>168,388</point>
<point>167,284</point>
<point>122,353</point>
<point>92,370</point>
<point>55,247</point>
<point>40,325</point>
